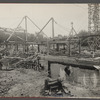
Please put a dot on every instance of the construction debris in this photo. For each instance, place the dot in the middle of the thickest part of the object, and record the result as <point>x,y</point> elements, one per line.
<point>54,87</point>
<point>31,62</point>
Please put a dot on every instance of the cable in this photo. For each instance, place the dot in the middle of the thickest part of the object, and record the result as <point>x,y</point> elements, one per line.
<point>81,26</point>
<point>43,29</point>
<point>15,30</point>
<point>66,29</point>
<point>37,26</point>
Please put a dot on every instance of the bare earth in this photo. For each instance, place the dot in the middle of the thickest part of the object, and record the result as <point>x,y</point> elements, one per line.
<point>29,83</point>
<point>21,83</point>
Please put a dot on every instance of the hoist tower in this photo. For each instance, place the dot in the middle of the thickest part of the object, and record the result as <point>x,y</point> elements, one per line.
<point>93,18</point>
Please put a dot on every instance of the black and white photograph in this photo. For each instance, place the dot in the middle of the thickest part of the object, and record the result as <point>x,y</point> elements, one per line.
<point>50,50</point>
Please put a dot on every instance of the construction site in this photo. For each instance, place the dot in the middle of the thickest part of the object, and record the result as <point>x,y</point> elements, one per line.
<point>67,66</point>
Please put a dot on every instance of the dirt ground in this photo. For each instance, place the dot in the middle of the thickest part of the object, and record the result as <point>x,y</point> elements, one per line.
<point>81,91</point>
<point>22,82</point>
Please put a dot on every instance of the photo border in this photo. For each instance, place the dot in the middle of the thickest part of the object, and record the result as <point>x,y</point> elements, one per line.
<point>41,2</point>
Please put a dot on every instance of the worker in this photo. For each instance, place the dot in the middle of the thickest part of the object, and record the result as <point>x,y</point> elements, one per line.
<point>67,70</point>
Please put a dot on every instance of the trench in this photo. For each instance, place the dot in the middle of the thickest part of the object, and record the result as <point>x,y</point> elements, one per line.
<point>86,76</point>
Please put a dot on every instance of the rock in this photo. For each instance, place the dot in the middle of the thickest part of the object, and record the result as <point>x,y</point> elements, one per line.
<point>59,92</point>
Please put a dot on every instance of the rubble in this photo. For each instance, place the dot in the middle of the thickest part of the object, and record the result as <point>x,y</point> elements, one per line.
<point>28,79</point>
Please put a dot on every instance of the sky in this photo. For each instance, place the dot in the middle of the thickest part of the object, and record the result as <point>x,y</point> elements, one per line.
<point>63,14</point>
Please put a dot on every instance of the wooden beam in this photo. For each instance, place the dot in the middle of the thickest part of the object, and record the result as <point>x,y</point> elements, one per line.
<point>85,63</point>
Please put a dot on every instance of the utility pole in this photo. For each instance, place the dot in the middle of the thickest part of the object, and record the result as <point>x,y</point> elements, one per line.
<point>52,27</point>
<point>53,30</point>
<point>26,46</point>
<point>26,27</point>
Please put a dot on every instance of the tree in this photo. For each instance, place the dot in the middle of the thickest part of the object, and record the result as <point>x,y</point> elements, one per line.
<point>3,36</point>
<point>82,34</point>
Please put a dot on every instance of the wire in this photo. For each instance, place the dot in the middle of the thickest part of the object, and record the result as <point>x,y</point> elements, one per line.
<point>82,26</point>
<point>37,27</point>
<point>66,29</point>
<point>15,30</point>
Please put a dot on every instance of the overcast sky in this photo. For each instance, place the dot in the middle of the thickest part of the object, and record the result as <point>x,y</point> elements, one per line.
<point>63,14</point>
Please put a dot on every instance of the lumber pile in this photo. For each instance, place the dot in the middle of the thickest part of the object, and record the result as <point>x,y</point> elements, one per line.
<point>30,63</point>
